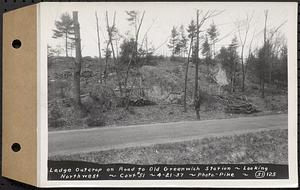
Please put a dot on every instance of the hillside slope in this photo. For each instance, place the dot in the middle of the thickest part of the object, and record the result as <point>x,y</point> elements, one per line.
<point>161,83</point>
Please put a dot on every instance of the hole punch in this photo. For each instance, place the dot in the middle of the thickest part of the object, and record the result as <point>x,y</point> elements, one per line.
<point>16,44</point>
<point>16,147</point>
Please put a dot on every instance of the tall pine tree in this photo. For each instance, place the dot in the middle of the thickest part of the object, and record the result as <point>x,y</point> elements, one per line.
<point>206,52</point>
<point>173,42</point>
<point>183,41</point>
<point>64,29</point>
<point>213,37</point>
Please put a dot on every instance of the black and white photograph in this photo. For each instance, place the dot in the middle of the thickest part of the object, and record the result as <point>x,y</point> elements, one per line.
<point>168,90</point>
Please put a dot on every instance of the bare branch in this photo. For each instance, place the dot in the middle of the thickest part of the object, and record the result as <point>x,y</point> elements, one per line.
<point>250,44</point>
<point>140,24</point>
<point>147,32</point>
<point>225,36</point>
<point>114,20</point>
<point>109,31</point>
<point>276,29</point>
<point>163,43</point>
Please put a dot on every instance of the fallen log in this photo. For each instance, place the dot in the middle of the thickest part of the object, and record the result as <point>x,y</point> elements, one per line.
<point>246,108</point>
<point>141,102</point>
<point>238,104</point>
<point>240,107</point>
<point>135,102</point>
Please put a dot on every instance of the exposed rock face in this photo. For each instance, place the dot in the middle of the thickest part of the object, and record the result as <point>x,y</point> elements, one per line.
<point>156,92</point>
<point>161,86</point>
<point>221,77</point>
<point>174,98</point>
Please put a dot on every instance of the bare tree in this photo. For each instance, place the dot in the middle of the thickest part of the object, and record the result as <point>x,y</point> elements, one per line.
<point>192,30</point>
<point>265,57</point>
<point>137,23</point>
<point>107,52</point>
<point>243,39</point>
<point>133,19</point>
<point>196,29</point>
<point>78,60</point>
<point>137,36</point>
<point>146,45</point>
<point>99,47</point>
<point>272,46</point>
<point>250,49</point>
<point>196,95</point>
<point>234,45</point>
<point>208,14</point>
<point>111,30</point>
<point>146,33</point>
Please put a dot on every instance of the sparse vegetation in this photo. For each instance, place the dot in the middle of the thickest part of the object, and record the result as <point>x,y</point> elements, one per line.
<point>162,84</point>
<point>131,81</point>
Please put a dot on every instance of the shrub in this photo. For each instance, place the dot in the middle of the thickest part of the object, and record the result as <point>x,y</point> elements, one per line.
<point>94,105</point>
<point>96,119</point>
<point>95,122</point>
<point>58,123</point>
<point>55,112</point>
<point>103,96</point>
<point>73,116</point>
<point>56,119</point>
<point>276,103</point>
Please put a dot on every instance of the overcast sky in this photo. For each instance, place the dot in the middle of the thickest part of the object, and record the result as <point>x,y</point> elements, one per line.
<point>163,16</point>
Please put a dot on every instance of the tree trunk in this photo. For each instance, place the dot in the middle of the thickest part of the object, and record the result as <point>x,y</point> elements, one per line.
<point>186,74</point>
<point>270,72</point>
<point>196,61</point>
<point>233,78</point>
<point>137,31</point>
<point>66,41</point>
<point>198,114</point>
<point>214,53</point>
<point>116,67</point>
<point>231,83</point>
<point>263,85</point>
<point>243,43</point>
<point>109,30</point>
<point>77,69</point>
<point>196,95</point>
<point>146,46</point>
<point>243,70</point>
<point>260,81</point>
<point>265,56</point>
<point>106,65</point>
<point>246,68</point>
<point>207,66</point>
<point>99,47</point>
<point>136,50</point>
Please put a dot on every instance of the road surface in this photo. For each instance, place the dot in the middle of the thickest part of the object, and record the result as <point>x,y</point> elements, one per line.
<point>97,139</point>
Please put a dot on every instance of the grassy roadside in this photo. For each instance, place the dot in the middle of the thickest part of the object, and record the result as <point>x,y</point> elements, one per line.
<point>270,146</point>
<point>161,114</point>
